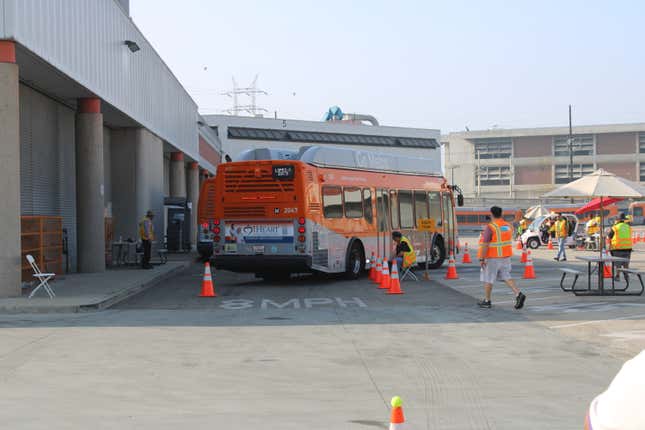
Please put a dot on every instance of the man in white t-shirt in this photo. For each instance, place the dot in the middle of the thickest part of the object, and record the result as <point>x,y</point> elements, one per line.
<point>621,406</point>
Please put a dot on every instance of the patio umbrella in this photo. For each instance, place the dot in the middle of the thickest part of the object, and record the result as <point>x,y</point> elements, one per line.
<point>594,204</point>
<point>600,184</point>
<point>536,211</point>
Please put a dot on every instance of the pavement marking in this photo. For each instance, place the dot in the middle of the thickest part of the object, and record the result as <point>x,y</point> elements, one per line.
<point>627,335</point>
<point>292,303</point>
<point>597,321</point>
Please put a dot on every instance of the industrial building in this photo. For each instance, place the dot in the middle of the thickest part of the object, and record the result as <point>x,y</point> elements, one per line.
<point>526,163</point>
<point>94,129</point>
<point>239,134</point>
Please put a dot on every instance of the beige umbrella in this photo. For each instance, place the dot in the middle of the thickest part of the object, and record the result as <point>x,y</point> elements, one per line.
<point>536,211</point>
<point>599,184</point>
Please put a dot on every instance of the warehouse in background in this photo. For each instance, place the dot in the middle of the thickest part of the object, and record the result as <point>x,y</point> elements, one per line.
<point>95,130</point>
<point>526,163</point>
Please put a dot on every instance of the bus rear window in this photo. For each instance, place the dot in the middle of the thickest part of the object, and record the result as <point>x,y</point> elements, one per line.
<point>332,202</point>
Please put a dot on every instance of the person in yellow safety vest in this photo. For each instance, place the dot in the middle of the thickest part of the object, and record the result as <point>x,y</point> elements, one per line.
<point>147,235</point>
<point>621,242</point>
<point>561,230</point>
<point>524,224</point>
<point>593,225</point>
<point>404,254</point>
<point>494,253</point>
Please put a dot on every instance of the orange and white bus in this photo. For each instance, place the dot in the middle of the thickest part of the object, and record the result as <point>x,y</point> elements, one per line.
<point>322,209</point>
<point>476,217</point>
<point>637,211</point>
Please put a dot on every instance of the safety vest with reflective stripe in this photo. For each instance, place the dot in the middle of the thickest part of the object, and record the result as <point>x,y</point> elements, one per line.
<point>409,258</point>
<point>622,236</point>
<point>146,229</point>
<point>501,243</point>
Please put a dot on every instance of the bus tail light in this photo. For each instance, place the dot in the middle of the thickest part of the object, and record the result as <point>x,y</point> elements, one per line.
<point>301,220</point>
<point>216,221</point>
<point>301,238</point>
<point>216,230</point>
<point>216,238</point>
<point>301,230</point>
<point>204,225</point>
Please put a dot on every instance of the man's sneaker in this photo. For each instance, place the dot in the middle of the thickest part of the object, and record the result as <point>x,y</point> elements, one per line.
<point>556,258</point>
<point>564,259</point>
<point>519,301</point>
<point>484,304</point>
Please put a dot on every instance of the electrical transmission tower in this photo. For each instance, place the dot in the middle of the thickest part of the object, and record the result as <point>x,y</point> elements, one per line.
<point>251,91</point>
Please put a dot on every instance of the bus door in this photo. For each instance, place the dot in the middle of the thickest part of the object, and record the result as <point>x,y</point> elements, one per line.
<point>448,221</point>
<point>382,215</point>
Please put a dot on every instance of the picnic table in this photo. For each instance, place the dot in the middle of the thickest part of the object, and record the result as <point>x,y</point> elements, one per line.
<point>597,264</point>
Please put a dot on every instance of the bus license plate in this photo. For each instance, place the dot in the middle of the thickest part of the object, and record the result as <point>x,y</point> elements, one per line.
<point>258,249</point>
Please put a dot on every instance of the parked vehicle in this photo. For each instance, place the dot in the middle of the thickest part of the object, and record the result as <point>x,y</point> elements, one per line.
<point>533,236</point>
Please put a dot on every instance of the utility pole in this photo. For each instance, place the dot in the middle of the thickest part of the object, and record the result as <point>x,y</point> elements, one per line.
<point>570,148</point>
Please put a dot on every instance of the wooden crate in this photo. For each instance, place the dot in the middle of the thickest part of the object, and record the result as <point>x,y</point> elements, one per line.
<point>42,237</point>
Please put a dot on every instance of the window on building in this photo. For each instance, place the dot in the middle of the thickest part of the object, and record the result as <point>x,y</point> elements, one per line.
<point>394,211</point>
<point>642,169</point>
<point>579,170</point>
<point>494,175</point>
<point>582,145</point>
<point>353,202</point>
<point>332,202</point>
<point>641,143</point>
<point>406,209</point>
<point>493,148</point>
<point>367,205</point>
<point>420,204</point>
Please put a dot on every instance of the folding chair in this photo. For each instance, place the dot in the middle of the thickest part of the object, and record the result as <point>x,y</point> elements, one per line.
<point>407,272</point>
<point>42,278</point>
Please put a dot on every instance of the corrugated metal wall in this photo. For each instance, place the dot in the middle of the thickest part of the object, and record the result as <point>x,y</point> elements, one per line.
<point>48,161</point>
<point>85,40</point>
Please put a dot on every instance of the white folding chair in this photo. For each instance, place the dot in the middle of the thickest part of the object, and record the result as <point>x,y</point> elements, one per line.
<point>42,278</point>
<point>408,273</point>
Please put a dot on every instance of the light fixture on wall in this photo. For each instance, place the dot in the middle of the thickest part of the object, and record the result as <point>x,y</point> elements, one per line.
<point>132,46</point>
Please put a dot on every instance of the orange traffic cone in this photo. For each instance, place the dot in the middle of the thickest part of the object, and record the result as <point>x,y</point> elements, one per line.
<point>550,245</point>
<point>207,282</point>
<point>523,258</point>
<point>395,285</point>
<point>396,416</point>
<point>466,258</point>
<point>529,271</point>
<point>452,269</point>
<point>519,244</point>
<point>379,269</point>
<point>372,267</point>
<point>642,237</point>
<point>385,277</point>
<point>606,268</point>
<point>634,239</point>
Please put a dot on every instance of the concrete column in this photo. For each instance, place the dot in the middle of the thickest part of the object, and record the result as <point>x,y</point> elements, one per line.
<point>177,175</point>
<point>192,185</point>
<point>10,259</point>
<point>90,204</point>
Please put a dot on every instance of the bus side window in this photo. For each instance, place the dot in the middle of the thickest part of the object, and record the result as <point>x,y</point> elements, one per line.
<point>406,209</point>
<point>638,211</point>
<point>420,205</point>
<point>353,202</point>
<point>435,206</point>
<point>332,202</point>
<point>394,210</point>
<point>382,209</point>
<point>367,205</point>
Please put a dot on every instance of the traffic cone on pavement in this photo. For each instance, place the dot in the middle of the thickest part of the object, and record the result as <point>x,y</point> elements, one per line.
<point>452,269</point>
<point>207,282</point>
<point>529,271</point>
<point>379,269</point>
<point>396,416</point>
<point>385,277</point>
<point>606,268</point>
<point>519,244</point>
<point>395,285</point>
<point>372,267</point>
<point>550,245</point>
<point>523,258</point>
<point>466,258</point>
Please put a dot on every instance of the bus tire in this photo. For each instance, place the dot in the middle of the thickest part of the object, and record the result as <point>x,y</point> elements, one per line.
<point>438,254</point>
<point>355,264</point>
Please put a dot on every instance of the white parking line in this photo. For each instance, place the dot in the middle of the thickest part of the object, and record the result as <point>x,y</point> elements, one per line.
<point>597,321</point>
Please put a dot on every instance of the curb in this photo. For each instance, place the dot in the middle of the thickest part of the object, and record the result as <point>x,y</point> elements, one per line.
<point>97,306</point>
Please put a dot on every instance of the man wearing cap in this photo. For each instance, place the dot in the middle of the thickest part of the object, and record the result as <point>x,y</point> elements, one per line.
<point>621,242</point>
<point>147,235</point>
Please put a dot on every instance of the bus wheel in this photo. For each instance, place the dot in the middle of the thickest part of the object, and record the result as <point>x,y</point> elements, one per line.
<point>437,255</point>
<point>355,262</point>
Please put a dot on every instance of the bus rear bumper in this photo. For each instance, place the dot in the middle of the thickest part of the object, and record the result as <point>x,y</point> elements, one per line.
<point>263,263</point>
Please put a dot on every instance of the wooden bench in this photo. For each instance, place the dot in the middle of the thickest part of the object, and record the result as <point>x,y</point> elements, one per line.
<point>568,271</point>
<point>635,272</point>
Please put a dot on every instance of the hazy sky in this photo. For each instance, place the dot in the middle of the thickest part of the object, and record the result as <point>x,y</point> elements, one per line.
<point>432,64</point>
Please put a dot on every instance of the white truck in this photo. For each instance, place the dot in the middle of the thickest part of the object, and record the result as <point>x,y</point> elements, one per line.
<point>533,236</point>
